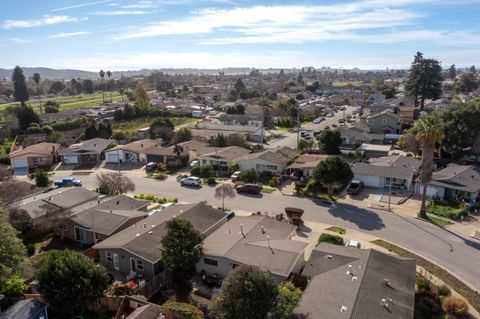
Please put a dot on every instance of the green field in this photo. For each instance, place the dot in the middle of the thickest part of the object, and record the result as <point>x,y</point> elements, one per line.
<point>341,84</point>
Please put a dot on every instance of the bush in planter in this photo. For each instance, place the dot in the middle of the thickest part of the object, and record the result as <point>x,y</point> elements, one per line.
<point>185,310</point>
<point>423,284</point>
<point>455,306</point>
<point>211,181</point>
<point>160,176</point>
<point>331,239</point>
<point>443,291</point>
<point>426,306</point>
<point>248,176</point>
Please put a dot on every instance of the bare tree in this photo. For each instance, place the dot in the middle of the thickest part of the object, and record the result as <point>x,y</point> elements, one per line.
<point>224,190</point>
<point>56,218</point>
<point>10,189</point>
<point>114,183</point>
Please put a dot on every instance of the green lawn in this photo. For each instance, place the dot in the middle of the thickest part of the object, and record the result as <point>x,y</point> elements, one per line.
<point>268,189</point>
<point>337,229</point>
<point>343,84</point>
<point>283,129</point>
<point>445,209</point>
<point>437,221</point>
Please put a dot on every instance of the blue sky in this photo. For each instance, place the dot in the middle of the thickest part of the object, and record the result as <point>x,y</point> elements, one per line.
<point>134,34</point>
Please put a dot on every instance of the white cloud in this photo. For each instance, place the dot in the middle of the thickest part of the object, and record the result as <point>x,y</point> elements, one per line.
<point>81,5</point>
<point>19,41</point>
<point>68,34</point>
<point>45,20</point>
<point>120,12</point>
<point>144,4</point>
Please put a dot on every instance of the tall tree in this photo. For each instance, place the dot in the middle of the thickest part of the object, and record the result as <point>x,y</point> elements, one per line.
<point>424,80</point>
<point>70,281</point>
<point>181,250</point>
<point>36,79</point>
<point>109,75</point>
<point>239,86</point>
<point>333,173</point>
<point>141,97</point>
<point>429,133</point>
<point>452,72</point>
<point>161,127</point>
<point>247,292</point>
<point>20,90</point>
<point>88,86</point>
<point>224,190</point>
<point>473,69</point>
<point>26,115</point>
<point>102,76</point>
<point>467,83</point>
<point>182,135</point>
<point>114,183</point>
<point>329,141</point>
<point>41,178</point>
<point>287,299</point>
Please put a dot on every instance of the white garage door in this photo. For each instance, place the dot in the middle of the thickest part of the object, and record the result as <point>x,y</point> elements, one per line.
<point>112,157</point>
<point>20,163</point>
<point>370,181</point>
<point>70,159</point>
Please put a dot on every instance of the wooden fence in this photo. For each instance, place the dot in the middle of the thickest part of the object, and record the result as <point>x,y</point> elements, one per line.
<point>152,286</point>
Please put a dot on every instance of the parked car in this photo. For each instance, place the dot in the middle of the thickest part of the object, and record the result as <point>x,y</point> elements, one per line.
<point>151,167</point>
<point>355,188</point>
<point>235,176</point>
<point>67,181</point>
<point>191,181</point>
<point>329,114</point>
<point>303,133</point>
<point>341,121</point>
<point>353,244</point>
<point>249,188</point>
<point>318,120</point>
<point>195,163</point>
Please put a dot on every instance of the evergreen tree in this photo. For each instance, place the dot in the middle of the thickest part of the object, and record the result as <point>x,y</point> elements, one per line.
<point>333,173</point>
<point>91,132</point>
<point>239,86</point>
<point>329,141</point>
<point>26,115</point>
<point>19,85</point>
<point>473,69</point>
<point>452,72</point>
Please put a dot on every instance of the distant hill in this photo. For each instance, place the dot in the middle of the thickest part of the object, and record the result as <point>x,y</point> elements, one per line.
<point>52,74</point>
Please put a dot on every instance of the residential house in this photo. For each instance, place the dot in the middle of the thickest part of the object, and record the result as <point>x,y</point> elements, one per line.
<point>304,165</point>
<point>192,149</point>
<point>33,156</point>
<point>237,119</point>
<point>386,122</point>
<point>354,135</point>
<point>136,250</point>
<point>107,218</point>
<point>74,199</point>
<point>346,282</point>
<point>379,172</point>
<point>454,182</point>
<point>251,133</point>
<point>273,161</point>
<point>86,152</point>
<point>62,116</point>
<point>408,114</point>
<point>374,150</point>
<point>26,309</point>
<point>254,240</point>
<point>223,157</point>
<point>131,152</point>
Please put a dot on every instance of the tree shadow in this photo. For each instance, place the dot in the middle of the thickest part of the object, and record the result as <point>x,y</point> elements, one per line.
<point>259,195</point>
<point>365,219</point>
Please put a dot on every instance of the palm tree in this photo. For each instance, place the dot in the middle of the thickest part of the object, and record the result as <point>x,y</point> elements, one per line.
<point>429,133</point>
<point>36,79</point>
<point>102,75</point>
<point>224,190</point>
<point>109,74</point>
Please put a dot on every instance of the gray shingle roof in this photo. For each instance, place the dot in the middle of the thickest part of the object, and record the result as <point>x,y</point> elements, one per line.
<point>23,309</point>
<point>104,221</point>
<point>138,147</point>
<point>278,255</point>
<point>123,202</point>
<point>460,177</point>
<point>403,167</point>
<point>226,154</point>
<point>143,239</point>
<point>279,156</point>
<point>357,280</point>
<point>94,145</point>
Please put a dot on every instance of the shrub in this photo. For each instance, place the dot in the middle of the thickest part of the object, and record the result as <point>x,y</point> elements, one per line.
<point>68,125</point>
<point>331,239</point>
<point>423,284</point>
<point>50,109</point>
<point>426,306</point>
<point>455,306</point>
<point>202,171</point>
<point>47,129</point>
<point>119,289</point>
<point>160,176</point>
<point>31,249</point>
<point>443,291</point>
<point>14,285</point>
<point>119,135</point>
<point>248,176</point>
<point>185,310</point>
<point>211,181</point>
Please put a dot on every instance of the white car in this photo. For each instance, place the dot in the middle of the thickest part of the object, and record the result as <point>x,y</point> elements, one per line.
<point>318,120</point>
<point>191,181</point>
<point>353,244</point>
<point>329,115</point>
<point>194,163</point>
<point>235,176</point>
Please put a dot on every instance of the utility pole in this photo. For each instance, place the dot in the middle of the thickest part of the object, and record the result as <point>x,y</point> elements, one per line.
<point>298,123</point>
<point>391,182</point>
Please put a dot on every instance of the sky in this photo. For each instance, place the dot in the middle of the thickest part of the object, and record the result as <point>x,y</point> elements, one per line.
<point>135,34</point>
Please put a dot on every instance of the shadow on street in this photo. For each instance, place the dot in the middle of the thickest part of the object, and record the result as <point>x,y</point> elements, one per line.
<point>363,218</point>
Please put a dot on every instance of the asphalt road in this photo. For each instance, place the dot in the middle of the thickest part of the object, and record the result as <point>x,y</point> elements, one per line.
<point>458,254</point>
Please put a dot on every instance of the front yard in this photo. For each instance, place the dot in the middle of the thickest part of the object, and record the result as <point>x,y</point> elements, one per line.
<point>450,210</point>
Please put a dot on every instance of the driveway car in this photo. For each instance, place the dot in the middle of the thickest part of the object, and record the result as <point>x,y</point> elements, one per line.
<point>353,244</point>
<point>355,188</point>
<point>150,167</point>
<point>195,163</point>
<point>341,121</point>
<point>191,181</point>
<point>67,181</point>
<point>235,176</point>
<point>249,188</point>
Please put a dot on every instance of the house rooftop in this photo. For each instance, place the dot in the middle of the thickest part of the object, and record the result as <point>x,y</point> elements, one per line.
<point>460,177</point>
<point>226,154</point>
<point>357,283</point>
<point>280,156</point>
<point>105,221</point>
<point>307,161</point>
<point>144,239</point>
<point>257,240</point>
<point>123,202</point>
<point>198,147</point>
<point>137,146</point>
<point>27,308</point>
<point>374,148</point>
<point>40,149</point>
<point>397,166</point>
<point>94,145</point>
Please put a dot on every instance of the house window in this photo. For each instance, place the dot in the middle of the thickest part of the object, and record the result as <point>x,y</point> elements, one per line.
<point>260,167</point>
<point>139,264</point>
<point>211,262</point>
<point>385,121</point>
<point>234,266</point>
<point>116,262</point>
<point>109,256</point>
<point>97,237</point>
<point>272,167</point>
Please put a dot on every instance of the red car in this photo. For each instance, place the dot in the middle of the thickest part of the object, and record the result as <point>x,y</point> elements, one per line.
<point>249,188</point>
